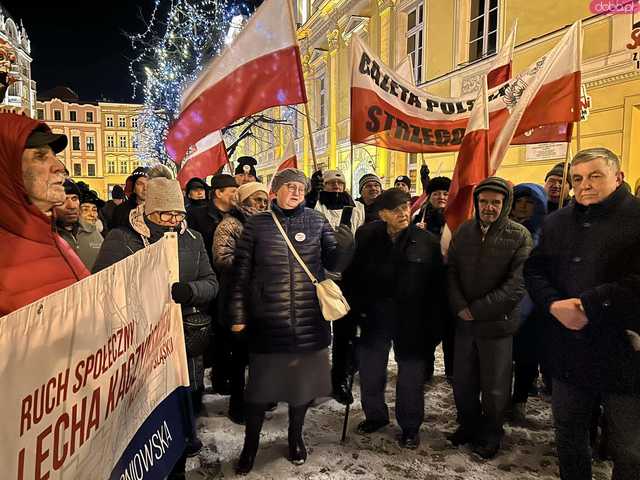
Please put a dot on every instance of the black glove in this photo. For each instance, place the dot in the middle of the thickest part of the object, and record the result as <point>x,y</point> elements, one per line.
<point>424,177</point>
<point>181,293</point>
<point>344,237</point>
<point>317,182</point>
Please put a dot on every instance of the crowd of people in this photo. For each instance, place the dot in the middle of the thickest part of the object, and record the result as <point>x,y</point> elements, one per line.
<point>537,284</point>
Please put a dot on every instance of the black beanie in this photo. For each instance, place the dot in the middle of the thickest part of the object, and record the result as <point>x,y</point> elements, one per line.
<point>403,179</point>
<point>196,182</point>
<point>246,164</point>
<point>117,192</point>
<point>438,183</point>
<point>222,180</point>
<point>556,171</point>
<point>392,198</point>
<point>70,188</point>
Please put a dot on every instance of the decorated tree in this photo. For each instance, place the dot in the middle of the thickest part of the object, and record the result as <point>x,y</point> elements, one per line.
<point>169,55</point>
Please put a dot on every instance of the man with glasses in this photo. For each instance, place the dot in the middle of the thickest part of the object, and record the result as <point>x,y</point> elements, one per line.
<point>394,285</point>
<point>370,187</point>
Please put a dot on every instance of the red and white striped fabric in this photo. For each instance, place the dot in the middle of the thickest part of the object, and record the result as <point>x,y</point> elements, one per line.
<point>501,66</point>
<point>471,167</point>
<point>261,69</point>
<point>289,157</point>
<point>210,155</point>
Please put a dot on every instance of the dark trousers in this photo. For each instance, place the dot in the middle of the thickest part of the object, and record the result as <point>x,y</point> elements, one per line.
<point>572,412</point>
<point>343,361</point>
<point>374,357</point>
<point>482,369</point>
<point>221,358</point>
<point>526,358</point>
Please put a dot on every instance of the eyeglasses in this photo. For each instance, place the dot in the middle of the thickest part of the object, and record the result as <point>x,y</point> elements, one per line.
<point>170,216</point>
<point>293,188</point>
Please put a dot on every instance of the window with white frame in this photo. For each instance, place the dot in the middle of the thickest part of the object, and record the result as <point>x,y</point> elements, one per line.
<point>483,28</point>
<point>109,121</point>
<point>123,142</point>
<point>90,117</point>
<point>415,40</point>
<point>322,99</point>
<point>91,146</point>
<point>110,141</point>
<point>122,122</point>
<point>123,166</point>
<point>134,122</point>
<point>111,166</point>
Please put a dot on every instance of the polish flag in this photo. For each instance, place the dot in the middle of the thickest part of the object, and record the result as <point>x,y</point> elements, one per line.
<point>260,70</point>
<point>550,89</point>
<point>209,156</point>
<point>471,167</point>
<point>501,66</point>
<point>289,158</point>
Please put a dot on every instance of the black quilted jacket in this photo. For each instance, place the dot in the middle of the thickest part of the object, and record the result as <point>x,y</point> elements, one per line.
<point>271,293</point>
<point>485,270</point>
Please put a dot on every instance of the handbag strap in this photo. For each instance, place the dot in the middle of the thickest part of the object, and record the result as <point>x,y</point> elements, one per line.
<point>313,279</point>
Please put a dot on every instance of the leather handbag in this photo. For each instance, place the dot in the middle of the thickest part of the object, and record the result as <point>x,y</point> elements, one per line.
<point>332,302</point>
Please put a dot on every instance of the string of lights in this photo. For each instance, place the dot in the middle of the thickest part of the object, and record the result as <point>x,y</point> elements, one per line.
<point>168,56</point>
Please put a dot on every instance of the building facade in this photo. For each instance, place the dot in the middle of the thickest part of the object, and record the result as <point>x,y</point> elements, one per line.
<point>451,44</point>
<point>102,137</point>
<point>21,95</point>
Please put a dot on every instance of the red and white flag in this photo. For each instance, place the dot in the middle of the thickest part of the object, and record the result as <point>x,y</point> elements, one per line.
<point>209,156</point>
<point>471,167</point>
<point>289,157</point>
<point>260,70</point>
<point>501,66</point>
<point>548,93</point>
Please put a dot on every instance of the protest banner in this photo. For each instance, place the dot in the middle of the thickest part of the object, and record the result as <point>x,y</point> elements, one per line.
<point>93,376</point>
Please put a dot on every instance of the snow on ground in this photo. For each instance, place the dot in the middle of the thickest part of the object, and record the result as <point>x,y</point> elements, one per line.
<point>528,451</point>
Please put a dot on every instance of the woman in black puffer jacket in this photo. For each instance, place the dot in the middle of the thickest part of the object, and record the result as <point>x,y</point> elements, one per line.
<point>275,305</point>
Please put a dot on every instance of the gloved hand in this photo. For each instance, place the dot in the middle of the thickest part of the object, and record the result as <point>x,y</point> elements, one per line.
<point>424,177</point>
<point>317,182</point>
<point>181,292</point>
<point>344,237</point>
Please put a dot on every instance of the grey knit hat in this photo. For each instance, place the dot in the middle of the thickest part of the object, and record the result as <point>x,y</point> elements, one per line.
<point>288,175</point>
<point>163,195</point>
<point>369,177</point>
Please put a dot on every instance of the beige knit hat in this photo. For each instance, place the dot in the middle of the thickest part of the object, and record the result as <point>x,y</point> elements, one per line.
<point>163,195</point>
<point>248,189</point>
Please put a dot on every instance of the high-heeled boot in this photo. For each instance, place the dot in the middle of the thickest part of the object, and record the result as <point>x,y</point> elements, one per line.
<point>253,427</point>
<point>297,449</point>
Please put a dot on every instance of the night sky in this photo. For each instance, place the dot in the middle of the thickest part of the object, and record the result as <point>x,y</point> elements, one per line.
<point>82,47</point>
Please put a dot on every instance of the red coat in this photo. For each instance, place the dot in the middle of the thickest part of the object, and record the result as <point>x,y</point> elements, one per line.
<point>34,260</point>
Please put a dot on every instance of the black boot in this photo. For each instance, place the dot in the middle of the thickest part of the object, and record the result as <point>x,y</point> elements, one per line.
<point>254,420</point>
<point>297,449</point>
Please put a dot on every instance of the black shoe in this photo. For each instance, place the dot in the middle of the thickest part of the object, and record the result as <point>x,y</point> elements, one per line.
<point>297,452</point>
<point>370,426</point>
<point>488,450</point>
<point>245,463</point>
<point>194,445</point>
<point>410,441</point>
<point>342,394</point>
<point>461,436</point>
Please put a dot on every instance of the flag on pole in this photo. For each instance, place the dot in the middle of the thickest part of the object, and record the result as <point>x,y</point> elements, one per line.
<point>261,69</point>
<point>209,156</point>
<point>289,157</point>
<point>471,167</point>
<point>501,67</point>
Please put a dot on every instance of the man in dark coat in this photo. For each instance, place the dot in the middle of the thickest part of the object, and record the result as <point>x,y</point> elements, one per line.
<point>554,184</point>
<point>485,283</point>
<point>117,198</point>
<point>205,221</point>
<point>395,272</point>
<point>196,192</point>
<point>369,187</point>
<point>586,273</point>
<point>138,182</point>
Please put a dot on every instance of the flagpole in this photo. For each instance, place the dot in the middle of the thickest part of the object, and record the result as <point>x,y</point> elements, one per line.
<point>565,172</point>
<point>351,165</point>
<point>311,144</point>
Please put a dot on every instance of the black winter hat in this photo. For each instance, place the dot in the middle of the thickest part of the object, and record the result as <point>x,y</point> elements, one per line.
<point>91,197</point>
<point>438,183</point>
<point>403,179</point>
<point>70,188</point>
<point>196,182</point>
<point>117,192</point>
<point>222,180</point>
<point>556,171</point>
<point>246,164</point>
<point>392,198</point>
